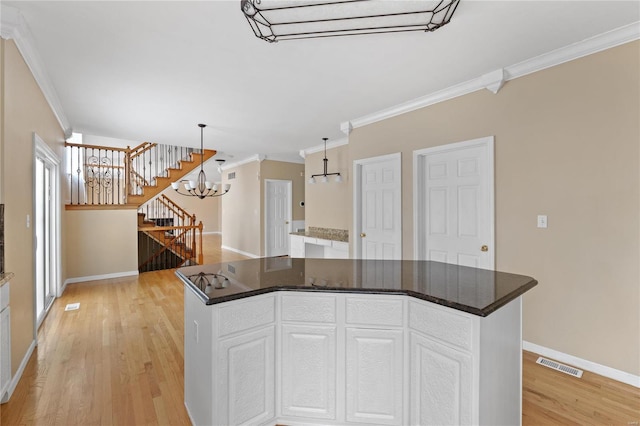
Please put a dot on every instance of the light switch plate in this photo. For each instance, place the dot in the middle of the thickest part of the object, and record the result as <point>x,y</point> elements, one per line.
<point>542,221</point>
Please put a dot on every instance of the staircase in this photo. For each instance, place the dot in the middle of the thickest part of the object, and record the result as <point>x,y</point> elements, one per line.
<point>167,239</point>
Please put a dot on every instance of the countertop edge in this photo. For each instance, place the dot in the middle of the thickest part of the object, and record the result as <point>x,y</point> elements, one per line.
<point>442,302</point>
<point>6,277</point>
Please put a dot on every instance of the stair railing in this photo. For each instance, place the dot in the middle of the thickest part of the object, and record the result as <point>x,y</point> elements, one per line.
<point>170,246</point>
<point>170,237</point>
<point>97,175</point>
<point>100,175</point>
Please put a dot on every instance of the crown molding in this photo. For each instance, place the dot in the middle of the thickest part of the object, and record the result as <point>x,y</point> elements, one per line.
<point>256,157</point>
<point>318,148</point>
<point>494,80</point>
<point>13,27</point>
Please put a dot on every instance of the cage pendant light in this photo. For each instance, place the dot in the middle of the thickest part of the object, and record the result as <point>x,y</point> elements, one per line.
<point>324,177</point>
<point>202,188</point>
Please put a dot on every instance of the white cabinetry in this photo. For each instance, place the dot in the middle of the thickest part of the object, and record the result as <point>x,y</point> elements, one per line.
<point>230,360</point>
<point>297,358</point>
<point>5,342</point>
<point>309,356</point>
<point>302,246</point>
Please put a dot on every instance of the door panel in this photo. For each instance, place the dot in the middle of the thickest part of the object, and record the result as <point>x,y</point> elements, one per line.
<point>454,206</point>
<point>380,208</point>
<point>277,217</point>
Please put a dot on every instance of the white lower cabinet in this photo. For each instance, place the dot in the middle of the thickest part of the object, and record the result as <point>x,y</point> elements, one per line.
<point>246,384</point>
<point>374,376</point>
<point>441,383</point>
<point>305,358</point>
<point>309,371</point>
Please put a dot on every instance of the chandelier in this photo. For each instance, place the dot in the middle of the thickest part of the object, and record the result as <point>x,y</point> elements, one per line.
<point>324,176</point>
<point>275,20</point>
<point>201,188</point>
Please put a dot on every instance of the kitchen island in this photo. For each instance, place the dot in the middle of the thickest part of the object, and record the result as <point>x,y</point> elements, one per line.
<point>326,341</point>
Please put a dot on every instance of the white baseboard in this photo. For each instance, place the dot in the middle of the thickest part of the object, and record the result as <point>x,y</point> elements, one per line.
<point>16,377</point>
<point>99,277</point>
<point>212,232</point>
<point>603,370</point>
<point>244,253</point>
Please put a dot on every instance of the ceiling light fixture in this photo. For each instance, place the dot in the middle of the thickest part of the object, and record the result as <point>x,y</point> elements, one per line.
<point>275,20</point>
<point>201,188</point>
<point>324,176</point>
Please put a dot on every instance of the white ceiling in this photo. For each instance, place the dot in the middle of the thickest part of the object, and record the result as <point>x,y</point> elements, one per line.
<point>152,70</point>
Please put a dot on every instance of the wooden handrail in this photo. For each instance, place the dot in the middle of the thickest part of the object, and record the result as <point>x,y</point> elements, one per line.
<point>166,246</point>
<point>106,148</point>
<point>148,146</point>
<point>182,213</point>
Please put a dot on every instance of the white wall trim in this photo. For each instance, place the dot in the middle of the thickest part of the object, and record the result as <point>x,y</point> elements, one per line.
<point>14,27</point>
<point>212,232</point>
<point>16,377</point>
<point>256,157</point>
<point>319,148</point>
<point>493,81</point>
<point>244,253</point>
<point>100,277</point>
<point>603,370</point>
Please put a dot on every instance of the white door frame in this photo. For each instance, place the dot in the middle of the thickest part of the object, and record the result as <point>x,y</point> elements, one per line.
<point>357,199</point>
<point>42,150</point>
<point>266,211</point>
<point>418,190</point>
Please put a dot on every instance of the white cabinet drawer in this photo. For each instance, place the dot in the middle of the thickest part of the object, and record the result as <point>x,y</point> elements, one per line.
<point>308,308</point>
<point>340,245</point>
<point>375,310</point>
<point>242,315</point>
<point>440,323</point>
<point>309,240</point>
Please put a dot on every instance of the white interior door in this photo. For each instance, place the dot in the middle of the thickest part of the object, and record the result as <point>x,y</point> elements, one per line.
<point>454,203</point>
<point>378,208</point>
<point>277,216</point>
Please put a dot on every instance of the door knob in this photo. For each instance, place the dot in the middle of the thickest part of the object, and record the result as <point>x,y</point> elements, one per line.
<point>286,223</point>
<point>362,234</point>
<point>484,248</point>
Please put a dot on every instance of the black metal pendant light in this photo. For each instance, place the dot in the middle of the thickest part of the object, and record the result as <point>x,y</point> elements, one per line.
<point>202,188</point>
<point>324,176</point>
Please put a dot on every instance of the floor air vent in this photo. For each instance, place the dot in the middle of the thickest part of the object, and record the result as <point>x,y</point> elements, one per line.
<point>560,367</point>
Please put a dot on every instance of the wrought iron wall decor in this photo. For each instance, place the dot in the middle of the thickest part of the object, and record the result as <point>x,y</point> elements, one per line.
<point>324,176</point>
<point>275,20</point>
<point>202,188</point>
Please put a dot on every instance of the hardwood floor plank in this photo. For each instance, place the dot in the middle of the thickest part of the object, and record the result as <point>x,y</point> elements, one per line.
<point>119,360</point>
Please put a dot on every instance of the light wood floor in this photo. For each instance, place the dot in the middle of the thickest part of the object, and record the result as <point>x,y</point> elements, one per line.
<point>119,360</point>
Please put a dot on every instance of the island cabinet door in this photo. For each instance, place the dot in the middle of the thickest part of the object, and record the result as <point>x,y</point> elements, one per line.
<point>309,371</point>
<point>441,383</point>
<point>245,390</point>
<point>374,376</point>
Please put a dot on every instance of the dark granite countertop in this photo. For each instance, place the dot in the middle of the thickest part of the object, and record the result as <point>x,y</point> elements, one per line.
<point>341,235</point>
<point>476,291</point>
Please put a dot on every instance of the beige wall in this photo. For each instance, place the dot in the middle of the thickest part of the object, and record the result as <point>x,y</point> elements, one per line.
<point>328,205</point>
<point>241,209</point>
<point>566,145</point>
<point>24,111</point>
<point>101,242</point>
